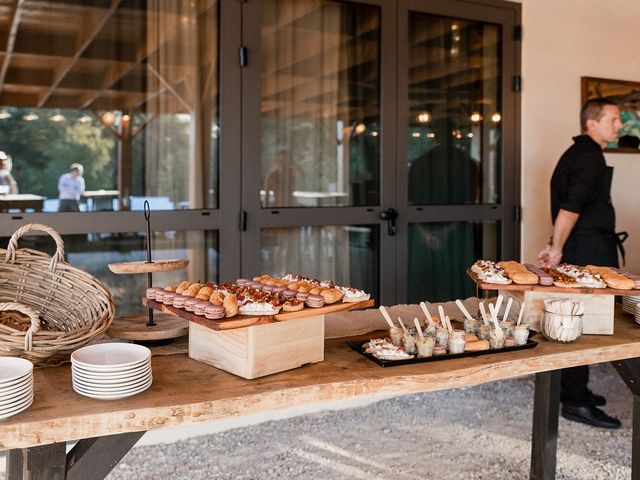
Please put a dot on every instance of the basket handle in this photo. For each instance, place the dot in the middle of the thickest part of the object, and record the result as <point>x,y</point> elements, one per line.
<point>13,243</point>
<point>33,316</point>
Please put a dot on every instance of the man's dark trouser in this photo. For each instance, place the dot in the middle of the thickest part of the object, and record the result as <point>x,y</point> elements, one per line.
<point>590,248</point>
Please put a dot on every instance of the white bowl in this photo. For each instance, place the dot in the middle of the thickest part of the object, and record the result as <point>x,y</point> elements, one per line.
<point>110,356</point>
<point>9,412</point>
<point>15,399</point>
<point>13,368</point>
<point>16,384</point>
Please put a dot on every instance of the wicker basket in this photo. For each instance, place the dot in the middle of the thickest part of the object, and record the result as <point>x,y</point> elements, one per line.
<point>47,307</point>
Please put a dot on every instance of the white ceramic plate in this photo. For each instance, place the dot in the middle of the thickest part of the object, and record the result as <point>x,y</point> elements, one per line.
<point>108,374</point>
<point>22,408</point>
<point>114,396</point>
<point>111,379</point>
<point>111,371</point>
<point>110,356</point>
<point>13,368</point>
<point>97,388</point>
<point>16,385</point>
<point>15,400</point>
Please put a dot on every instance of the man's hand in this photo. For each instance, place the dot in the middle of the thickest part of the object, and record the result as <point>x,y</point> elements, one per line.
<point>550,257</point>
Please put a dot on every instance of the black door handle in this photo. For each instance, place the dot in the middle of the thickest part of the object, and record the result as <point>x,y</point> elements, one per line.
<point>390,216</point>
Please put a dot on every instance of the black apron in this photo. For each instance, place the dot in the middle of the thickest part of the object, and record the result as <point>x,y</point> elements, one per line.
<point>589,245</point>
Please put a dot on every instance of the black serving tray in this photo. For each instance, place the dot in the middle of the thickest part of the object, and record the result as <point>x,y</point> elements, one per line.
<point>357,346</point>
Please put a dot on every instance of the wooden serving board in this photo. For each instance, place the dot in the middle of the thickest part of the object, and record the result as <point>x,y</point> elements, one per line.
<point>551,289</point>
<point>148,267</point>
<point>240,321</point>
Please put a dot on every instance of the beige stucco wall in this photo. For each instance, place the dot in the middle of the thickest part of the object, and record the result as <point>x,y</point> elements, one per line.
<point>564,40</point>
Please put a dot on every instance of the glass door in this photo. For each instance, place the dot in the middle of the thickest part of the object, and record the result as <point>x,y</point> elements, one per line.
<point>315,109</point>
<point>457,153</point>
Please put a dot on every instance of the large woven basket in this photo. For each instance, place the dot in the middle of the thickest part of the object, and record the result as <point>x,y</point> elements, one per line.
<point>47,307</point>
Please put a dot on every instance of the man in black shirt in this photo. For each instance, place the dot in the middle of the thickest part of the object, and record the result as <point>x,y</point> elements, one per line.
<point>584,233</point>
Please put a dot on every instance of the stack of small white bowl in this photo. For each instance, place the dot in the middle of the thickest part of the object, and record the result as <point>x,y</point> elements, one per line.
<point>109,371</point>
<point>629,303</point>
<point>16,385</point>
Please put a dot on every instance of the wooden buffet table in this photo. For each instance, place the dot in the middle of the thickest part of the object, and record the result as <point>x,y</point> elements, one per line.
<point>185,391</point>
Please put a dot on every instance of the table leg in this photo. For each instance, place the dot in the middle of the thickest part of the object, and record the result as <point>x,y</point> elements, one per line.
<point>629,370</point>
<point>544,441</point>
<point>37,463</point>
<point>90,458</point>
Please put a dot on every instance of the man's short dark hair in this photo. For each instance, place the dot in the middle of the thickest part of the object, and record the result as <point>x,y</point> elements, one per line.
<point>592,110</point>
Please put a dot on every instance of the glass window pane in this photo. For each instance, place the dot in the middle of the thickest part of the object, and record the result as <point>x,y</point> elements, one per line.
<point>132,96</point>
<point>454,124</point>
<point>347,255</point>
<point>440,254</point>
<point>320,106</point>
<point>93,252</point>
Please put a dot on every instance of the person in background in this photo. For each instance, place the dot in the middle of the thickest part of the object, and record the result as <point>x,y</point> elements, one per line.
<point>8,184</point>
<point>584,233</point>
<point>71,186</point>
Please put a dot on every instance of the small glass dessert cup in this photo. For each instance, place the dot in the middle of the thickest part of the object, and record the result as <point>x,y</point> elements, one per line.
<point>471,325</point>
<point>561,328</point>
<point>410,341</point>
<point>429,330</point>
<point>442,336</point>
<point>397,335</point>
<point>496,338</point>
<point>521,334</point>
<point>425,345</point>
<point>507,327</point>
<point>484,330</point>
<point>457,341</point>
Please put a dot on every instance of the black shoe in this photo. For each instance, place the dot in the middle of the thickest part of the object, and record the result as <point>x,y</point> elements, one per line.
<point>597,400</point>
<point>589,415</point>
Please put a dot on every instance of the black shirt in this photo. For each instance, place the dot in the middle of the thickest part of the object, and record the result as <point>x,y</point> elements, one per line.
<point>581,183</point>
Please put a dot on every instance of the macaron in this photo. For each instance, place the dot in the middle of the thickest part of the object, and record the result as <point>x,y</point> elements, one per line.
<point>199,307</point>
<point>168,297</point>
<point>242,281</point>
<point>178,301</point>
<point>190,304</point>
<point>286,293</point>
<point>315,301</point>
<point>267,288</point>
<point>256,285</point>
<point>214,312</point>
<point>278,289</point>
<point>151,292</point>
<point>160,295</point>
<point>302,296</point>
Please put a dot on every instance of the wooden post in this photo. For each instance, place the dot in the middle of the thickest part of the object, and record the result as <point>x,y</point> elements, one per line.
<point>629,370</point>
<point>47,462</point>
<point>125,157</point>
<point>544,434</point>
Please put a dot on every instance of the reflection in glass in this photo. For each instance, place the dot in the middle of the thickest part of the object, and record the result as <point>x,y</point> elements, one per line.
<point>454,124</point>
<point>93,252</point>
<point>440,254</point>
<point>320,103</point>
<point>132,96</point>
<point>347,255</point>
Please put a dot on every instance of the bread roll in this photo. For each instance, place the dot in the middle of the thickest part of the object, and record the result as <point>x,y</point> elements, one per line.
<point>315,291</point>
<point>230,305</point>
<point>331,295</point>
<point>476,346</point>
<point>612,278</point>
<point>182,287</point>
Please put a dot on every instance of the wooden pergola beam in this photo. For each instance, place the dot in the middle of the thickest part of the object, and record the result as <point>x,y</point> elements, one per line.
<point>16,11</point>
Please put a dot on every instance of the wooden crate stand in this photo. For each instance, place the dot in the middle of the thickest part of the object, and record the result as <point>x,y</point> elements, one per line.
<point>598,309</point>
<point>260,350</point>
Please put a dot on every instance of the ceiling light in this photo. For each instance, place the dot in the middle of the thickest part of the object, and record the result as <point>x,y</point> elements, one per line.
<point>4,115</point>
<point>109,118</point>
<point>496,117</point>
<point>374,134</point>
<point>361,127</point>
<point>30,117</point>
<point>85,119</point>
<point>431,135</point>
<point>57,118</point>
<point>424,117</point>
<point>475,117</point>
<point>415,134</point>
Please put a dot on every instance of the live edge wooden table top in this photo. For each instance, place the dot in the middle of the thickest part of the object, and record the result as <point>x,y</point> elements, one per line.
<point>185,391</point>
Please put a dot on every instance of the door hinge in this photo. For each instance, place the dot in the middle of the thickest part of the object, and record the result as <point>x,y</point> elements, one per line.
<point>243,221</point>
<point>243,56</point>
<point>517,33</point>
<point>517,213</point>
<point>517,83</point>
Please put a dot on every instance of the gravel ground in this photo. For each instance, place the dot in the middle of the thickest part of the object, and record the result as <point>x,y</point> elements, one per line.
<point>473,433</point>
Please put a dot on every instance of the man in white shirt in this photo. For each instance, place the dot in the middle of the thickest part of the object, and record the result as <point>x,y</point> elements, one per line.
<point>71,186</point>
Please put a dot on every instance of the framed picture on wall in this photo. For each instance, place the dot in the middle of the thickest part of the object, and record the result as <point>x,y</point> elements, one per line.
<point>627,95</point>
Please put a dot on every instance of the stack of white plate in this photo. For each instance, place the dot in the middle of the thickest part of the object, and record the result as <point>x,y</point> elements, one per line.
<point>109,371</point>
<point>637,313</point>
<point>629,303</point>
<point>16,385</point>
